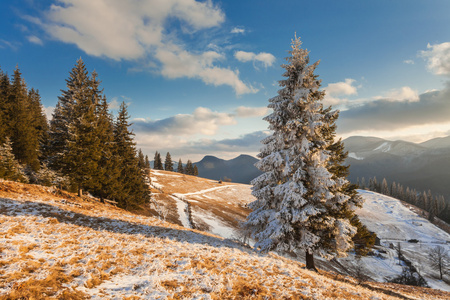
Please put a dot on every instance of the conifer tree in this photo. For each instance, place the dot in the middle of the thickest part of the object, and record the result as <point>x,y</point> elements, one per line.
<point>147,162</point>
<point>195,171</point>
<point>10,168</point>
<point>5,107</point>
<point>134,191</point>
<point>168,164</point>
<point>189,169</point>
<point>298,199</point>
<point>157,163</point>
<point>180,168</point>
<point>141,159</point>
<point>24,135</point>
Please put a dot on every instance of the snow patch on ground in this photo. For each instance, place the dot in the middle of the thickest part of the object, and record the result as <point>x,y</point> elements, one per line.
<point>355,156</point>
<point>385,147</point>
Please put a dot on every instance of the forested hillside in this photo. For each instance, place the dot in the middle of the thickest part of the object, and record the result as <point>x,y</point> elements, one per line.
<point>82,148</point>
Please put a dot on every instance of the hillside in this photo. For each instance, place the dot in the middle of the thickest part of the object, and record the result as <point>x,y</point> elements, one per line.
<point>421,166</point>
<point>222,206</point>
<point>240,169</point>
<point>56,245</point>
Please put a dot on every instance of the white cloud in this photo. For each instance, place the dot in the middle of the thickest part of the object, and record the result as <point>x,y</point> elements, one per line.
<point>48,111</point>
<point>408,61</point>
<point>131,30</point>
<point>177,63</point>
<point>201,121</point>
<point>35,40</point>
<point>334,91</point>
<point>238,30</point>
<point>438,57</point>
<point>266,59</point>
<point>248,112</point>
<point>402,94</point>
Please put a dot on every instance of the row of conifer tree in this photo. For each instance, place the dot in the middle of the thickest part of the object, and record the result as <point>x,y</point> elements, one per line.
<point>83,147</point>
<point>435,205</point>
<point>188,169</point>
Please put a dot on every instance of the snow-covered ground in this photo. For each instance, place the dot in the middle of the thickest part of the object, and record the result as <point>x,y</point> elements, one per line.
<point>395,224</point>
<point>60,246</point>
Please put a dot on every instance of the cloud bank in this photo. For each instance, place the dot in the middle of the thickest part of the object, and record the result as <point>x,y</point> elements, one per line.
<point>143,30</point>
<point>438,57</point>
<point>385,114</point>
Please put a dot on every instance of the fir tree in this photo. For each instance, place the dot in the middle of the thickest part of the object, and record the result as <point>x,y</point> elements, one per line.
<point>5,107</point>
<point>83,148</point>
<point>298,198</point>
<point>147,162</point>
<point>10,168</point>
<point>141,159</point>
<point>189,169</point>
<point>180,168</point>
<point>157,163</point>
<point>24,135</point>
<point>168,164</point>
<point>195,171</point>
<point>133,189</point>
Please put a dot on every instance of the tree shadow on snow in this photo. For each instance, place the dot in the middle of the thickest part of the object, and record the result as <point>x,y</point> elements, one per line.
<point>10,207</point>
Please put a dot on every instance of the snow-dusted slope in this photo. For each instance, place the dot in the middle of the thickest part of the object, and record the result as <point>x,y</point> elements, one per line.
<point>215,206</point>
<point>395,224</point>
<point>58,246</point>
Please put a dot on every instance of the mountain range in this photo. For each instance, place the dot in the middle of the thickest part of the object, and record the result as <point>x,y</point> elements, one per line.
<point>421,166</point>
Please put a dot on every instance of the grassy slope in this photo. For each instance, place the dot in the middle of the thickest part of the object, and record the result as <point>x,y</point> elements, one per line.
<point>57,245</point>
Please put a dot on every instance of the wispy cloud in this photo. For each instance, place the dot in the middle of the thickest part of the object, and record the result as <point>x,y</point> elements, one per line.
<point>141,30</point>
<point>35,40</point>
<point>238,30</point>
<point>408,62</point>
<point>335,92</point>
<point>249,112</point>
<point>266,59</point>
<point>438,57</point>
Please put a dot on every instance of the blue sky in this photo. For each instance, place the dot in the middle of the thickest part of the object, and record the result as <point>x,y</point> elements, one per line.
<point>198,74</point>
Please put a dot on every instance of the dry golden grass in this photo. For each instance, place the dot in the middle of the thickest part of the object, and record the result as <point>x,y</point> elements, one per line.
<point>82,260</point>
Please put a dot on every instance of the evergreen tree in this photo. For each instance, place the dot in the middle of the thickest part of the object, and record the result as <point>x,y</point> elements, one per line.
<point>147,162</point>
<point>24,135</point>
<point>195,171</point>
<point>5,107</point>
<point>384,187</point>
<point>141,159</point>
<point>299,199</point>
<point>157,163</point>
<point>168,164</point>
<point>83,149</point>
<point>189,169</point>
<point>133,189</point>
<point>10,168</point>
<point>108,169</point>
<point>180,168</point>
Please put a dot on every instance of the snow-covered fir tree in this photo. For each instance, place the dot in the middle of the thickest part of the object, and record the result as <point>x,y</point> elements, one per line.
<point>298,199</point>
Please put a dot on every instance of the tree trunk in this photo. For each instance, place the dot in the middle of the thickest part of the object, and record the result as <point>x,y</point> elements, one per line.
<point>80,191</point>
<point>310,261</point>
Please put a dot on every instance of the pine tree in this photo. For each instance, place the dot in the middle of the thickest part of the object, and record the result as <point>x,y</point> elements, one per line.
<point>141,159</point>
<point>180,168</point>
<point>298,198</point>
<point>10,168</point>
<point>24,135</point>
<point>384,187</point>
<point>5,107</point>
<point>83,149</point>
<point>195,171</point>
<point>168,164</point>
<point>157,163</point>
<point>147,162</point>
<point>189,169</point>
<point>133,189</point>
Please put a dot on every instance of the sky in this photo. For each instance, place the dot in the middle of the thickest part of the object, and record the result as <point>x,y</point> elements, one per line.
<point>197,75</point>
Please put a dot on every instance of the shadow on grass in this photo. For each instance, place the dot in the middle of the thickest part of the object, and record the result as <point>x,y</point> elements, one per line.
<point>10,207</point>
